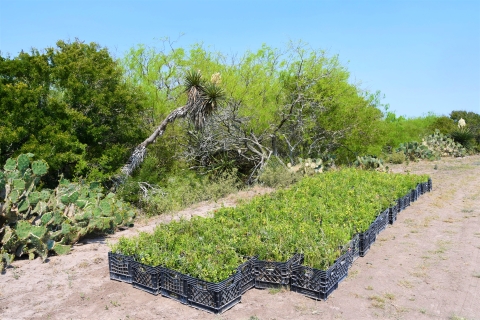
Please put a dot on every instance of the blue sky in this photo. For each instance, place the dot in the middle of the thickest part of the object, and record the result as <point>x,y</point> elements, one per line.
<point>424,55</point>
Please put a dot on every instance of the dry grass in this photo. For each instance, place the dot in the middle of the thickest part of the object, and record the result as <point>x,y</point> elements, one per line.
<point>406,284</point>
<point>377,302</point>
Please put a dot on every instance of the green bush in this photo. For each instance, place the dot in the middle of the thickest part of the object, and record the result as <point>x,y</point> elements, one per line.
<point>178,190</point>
<point>70,106</point>
<point>443,124</point>
<point>397,157</point>
<point>276,174</point>
<point>399,129</point>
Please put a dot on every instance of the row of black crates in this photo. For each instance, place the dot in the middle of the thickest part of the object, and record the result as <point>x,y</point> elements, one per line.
<point>254,273</point>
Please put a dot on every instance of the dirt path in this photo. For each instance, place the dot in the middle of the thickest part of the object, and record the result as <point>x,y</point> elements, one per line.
<point>425,266</point>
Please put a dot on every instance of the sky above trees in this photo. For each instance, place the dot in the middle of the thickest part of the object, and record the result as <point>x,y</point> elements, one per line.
<point>424,56</point>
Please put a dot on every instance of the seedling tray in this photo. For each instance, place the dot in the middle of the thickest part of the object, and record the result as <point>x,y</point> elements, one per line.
<point>247,270</point>
<point>381,221</point>
<point>367,238</point>
<point>355,246</point>
<point>419,189</point>
<point>271,274</point>
<point>173,285</point>
<point>214,297</point>
<point>401,204</point>
<point>219,297</point>
<point>319,284</point>
<point>145,277</point>
<point>413,195</point>
<point>406,200</point>
<point>393,212</point>
<point>119,267</point>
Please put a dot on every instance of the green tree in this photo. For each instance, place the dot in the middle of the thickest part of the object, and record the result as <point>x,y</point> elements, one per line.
<point>289,103</point>
<point>71,106</point>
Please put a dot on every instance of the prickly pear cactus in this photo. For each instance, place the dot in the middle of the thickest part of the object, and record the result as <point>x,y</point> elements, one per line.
<point>444,145</point>
<point>35,222</point>
<point>432,147</point>
<point>370,163</point>
<point>307,166</point>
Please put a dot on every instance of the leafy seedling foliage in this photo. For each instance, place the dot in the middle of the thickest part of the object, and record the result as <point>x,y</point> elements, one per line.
<point>316,217</point>
<point>35,222</point>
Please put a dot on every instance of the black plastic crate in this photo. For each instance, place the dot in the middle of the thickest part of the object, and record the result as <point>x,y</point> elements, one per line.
<point>367,238</point>
<point>173,285</point>
<point>419,190</point>
<point>271,274</point>
<point>393,212</point>
<point>430,184</point>
<point>355,246</point>
<point>145,277</point>
<point>406,200</point>
<point>214,297</point>
<point>401,204</point>
<point>381,221</point>
<point>319,284</point>
<point>119,266</point>
<point>425,187</point>
<point>413,195</point>
<point>247,270</point>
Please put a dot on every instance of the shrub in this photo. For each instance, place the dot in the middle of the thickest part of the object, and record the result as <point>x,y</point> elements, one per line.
<point>443,124</point>
<point>276,174</point>
<point>179,190</point>
<point>397,157</point>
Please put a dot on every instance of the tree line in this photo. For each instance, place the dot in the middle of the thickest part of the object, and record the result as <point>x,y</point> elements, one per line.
<point>86,113</point>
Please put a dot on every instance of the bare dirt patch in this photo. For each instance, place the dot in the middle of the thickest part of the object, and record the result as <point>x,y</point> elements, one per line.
<point>425,266</point>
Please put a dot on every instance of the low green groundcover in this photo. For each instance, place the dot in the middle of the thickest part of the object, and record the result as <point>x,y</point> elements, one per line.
<point>316,217</point>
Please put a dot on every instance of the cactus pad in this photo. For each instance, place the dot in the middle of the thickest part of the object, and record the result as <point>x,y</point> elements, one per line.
<point>23,229</point>
<point>39,167</point>
<point>10,165</point>
<point>23,163</point>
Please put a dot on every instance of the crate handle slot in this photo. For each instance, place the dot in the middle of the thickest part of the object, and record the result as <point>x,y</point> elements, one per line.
<point>229,283</point>
<point>308,273</point>
<point>201,286</point>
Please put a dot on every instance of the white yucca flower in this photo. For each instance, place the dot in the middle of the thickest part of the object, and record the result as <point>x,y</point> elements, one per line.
<point>216,78</point>
<point>461,123</point>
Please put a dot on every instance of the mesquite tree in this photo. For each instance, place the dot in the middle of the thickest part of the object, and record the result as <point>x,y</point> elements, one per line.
<point>287,104</point>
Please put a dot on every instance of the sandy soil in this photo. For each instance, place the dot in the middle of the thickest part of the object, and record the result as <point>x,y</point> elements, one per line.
<point>425,266</point>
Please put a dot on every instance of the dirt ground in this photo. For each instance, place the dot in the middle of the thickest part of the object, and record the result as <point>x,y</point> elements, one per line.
<point>424,266</point>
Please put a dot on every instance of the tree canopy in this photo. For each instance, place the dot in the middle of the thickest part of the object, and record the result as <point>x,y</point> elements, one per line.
<point>70,106</point>
<point>290,103</point>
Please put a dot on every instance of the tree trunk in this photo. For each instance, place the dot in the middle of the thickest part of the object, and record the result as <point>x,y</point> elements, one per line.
<point>139,153</point>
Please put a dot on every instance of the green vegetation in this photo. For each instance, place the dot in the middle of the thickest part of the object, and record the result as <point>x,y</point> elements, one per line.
<point>179,190</point>
<point>35,221</point>
<point>70,106</point>
<point>246,120</point>
<point>317,217</point>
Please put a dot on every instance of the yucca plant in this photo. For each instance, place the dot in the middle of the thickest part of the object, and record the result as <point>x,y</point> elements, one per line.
<point>464,136</point>
<point>202,99</point>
